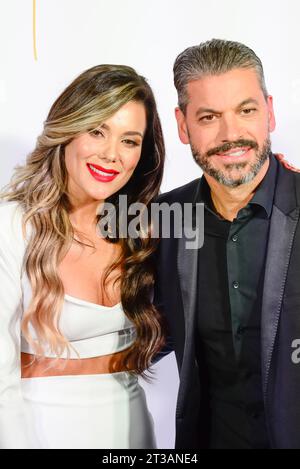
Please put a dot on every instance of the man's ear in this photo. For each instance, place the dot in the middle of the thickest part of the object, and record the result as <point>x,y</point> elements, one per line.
<point>181,125</point>
<point>272,121</point>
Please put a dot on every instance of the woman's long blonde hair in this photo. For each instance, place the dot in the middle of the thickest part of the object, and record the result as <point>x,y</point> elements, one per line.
<point>40,186</point>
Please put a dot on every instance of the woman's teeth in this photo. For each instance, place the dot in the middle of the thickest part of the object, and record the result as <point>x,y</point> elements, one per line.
<point>103,173</point>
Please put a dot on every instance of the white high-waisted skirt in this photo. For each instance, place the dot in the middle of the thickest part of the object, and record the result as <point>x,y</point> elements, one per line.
<point>89,411</point>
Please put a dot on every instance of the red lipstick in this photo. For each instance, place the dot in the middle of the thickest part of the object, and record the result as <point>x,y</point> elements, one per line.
<point>106,175</point>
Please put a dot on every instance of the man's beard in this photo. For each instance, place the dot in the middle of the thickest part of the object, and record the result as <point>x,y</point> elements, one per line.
<point>203,160</point>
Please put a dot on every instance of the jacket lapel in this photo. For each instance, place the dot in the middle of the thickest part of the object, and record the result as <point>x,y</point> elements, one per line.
<point>187,267</point>
<point>187,259</point>
<point>284,219</point>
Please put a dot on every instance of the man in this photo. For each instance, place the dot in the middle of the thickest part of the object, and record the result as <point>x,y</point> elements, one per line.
<point>233,306</point>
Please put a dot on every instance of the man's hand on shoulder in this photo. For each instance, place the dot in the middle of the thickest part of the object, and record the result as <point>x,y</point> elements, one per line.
<point>285,163</point>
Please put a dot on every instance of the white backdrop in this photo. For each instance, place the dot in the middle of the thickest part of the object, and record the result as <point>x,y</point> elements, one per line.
<point>73,35</point>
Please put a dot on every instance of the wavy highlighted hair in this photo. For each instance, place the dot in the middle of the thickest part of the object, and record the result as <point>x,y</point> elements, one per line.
<point>40,186</point>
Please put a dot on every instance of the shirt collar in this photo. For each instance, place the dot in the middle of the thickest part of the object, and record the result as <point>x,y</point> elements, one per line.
<point>264,193</point>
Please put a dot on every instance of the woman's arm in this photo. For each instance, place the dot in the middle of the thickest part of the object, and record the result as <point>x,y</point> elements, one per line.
<point>16,427</point>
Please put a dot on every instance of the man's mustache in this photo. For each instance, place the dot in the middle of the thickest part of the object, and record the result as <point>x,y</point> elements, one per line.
<point>230,145</point>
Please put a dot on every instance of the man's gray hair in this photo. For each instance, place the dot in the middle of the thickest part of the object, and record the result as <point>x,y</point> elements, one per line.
<point>213,57</point>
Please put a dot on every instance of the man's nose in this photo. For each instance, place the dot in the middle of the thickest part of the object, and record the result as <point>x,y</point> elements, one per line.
<point>231,129</point>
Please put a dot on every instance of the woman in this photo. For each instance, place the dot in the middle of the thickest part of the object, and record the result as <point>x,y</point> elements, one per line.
<point>77,325</point>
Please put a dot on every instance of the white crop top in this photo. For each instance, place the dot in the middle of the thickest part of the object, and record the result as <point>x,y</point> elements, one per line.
<point>92,329</point>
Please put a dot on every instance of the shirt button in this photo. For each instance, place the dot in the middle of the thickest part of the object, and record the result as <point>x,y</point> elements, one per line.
<point>235,284</point>
<point>234,238</point>
<point>240,330</point>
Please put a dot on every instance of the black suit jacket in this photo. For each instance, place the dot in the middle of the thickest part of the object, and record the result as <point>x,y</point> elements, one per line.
<point>176,297</point>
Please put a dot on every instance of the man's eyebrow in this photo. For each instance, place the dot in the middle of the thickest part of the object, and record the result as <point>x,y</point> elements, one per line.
<point>248,101</point>
<point>207,110</point>
<point>129,132</point>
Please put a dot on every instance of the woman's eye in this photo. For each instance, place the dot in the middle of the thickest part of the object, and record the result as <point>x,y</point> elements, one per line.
<point>131,143</point>
<point>96,132</point>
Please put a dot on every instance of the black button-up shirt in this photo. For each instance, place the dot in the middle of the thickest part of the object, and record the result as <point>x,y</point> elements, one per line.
<point>231,270</point>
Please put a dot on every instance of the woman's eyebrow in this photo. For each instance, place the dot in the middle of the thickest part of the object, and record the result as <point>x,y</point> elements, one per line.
<point>129,132</point>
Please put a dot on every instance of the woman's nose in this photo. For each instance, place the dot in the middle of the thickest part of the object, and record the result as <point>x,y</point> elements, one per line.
<point>109,152</point>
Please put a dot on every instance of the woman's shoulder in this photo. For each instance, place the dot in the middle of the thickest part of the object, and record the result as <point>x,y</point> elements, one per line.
<point>9,206</point>
<point>11,222</point>
<point>10,210</point>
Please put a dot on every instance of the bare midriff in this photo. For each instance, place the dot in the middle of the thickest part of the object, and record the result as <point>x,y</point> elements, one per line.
<point>47,366</point>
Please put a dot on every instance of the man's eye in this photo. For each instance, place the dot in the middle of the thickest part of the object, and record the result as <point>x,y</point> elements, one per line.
<point>248,111</point>
<point>207,118</point>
